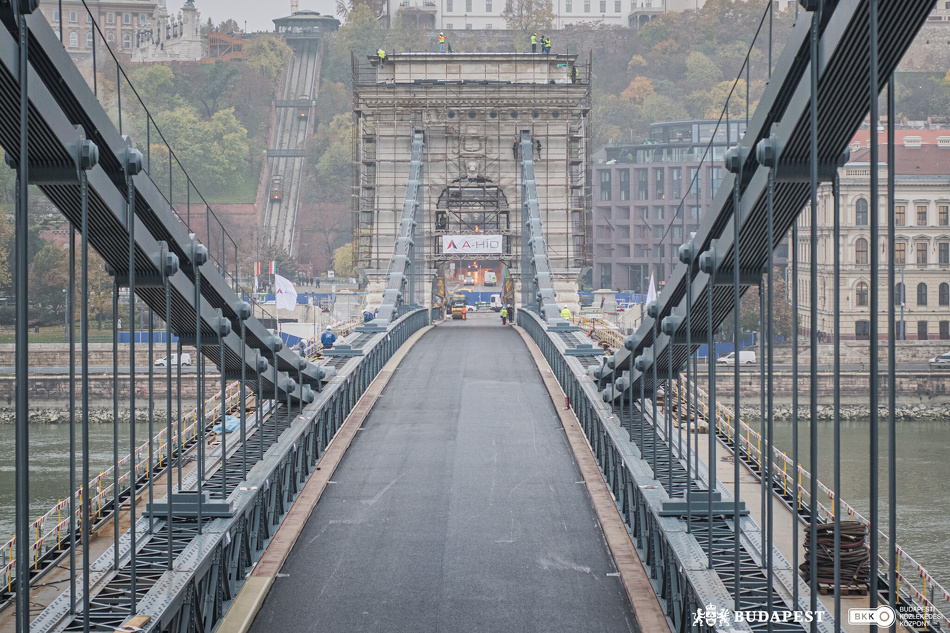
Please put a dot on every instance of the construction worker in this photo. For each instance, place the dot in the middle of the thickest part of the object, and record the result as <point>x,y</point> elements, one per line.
<point>547,44</point>
<point>328,338</point>
<point>534,42</point>
<point>504,316</point>
<point>382,56</point>
<point>541,41</point>
<point>441,42</point>
<point>566,313</point>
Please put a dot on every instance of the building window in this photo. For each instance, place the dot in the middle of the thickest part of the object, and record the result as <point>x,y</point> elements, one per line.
<point>861,251</point>
<point>126,18</point>
<point>659,212</point>
<point>861,212</point>
<point>921,249</point>
<point>56,15</point>
<point>89,39</point>
<point>677,234</point>
<point>676,180</point>
<point>606,280</point>
<point>468,6</point>
<point>74,39</point>
<point>861,294</point>
<point>586,6</point>
<point>643,184</point>
<point>469,27</point>
<point>624,184</point>
<point>899,215</point>
<point>126,41</point>
<point>944,330</point>
<point>900,253</point>
<point>603,6</point>
<point>943,252</point>
<point>488,27</point>
<point>921,294</point>
<point>944,294</point>
<point>73,16</point>
<point>862,330</point>
<point>448,7</point>
<point>448,26</point>
<point>605,184</point>
<point>715,178</point>
<point>88,18</point>
<point>110,37</point>
<point>143,18</point>
<point>616,6</point>
<point>110,18</point>
<point>568,6</point>
<point>921,215</point>
<point>695,183</point>
<point>922,331</point>
<point>659,182</point>
<point>943,215</point>
<point>899,294</point>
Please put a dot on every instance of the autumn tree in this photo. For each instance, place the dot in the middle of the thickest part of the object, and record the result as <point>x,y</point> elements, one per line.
<point>48,276</point>
<point>528,16</point>
<point>360,35</point>
<point>268,56</point>
<point>376,7</point>
<point>638,90</point>
<point>343,261</point>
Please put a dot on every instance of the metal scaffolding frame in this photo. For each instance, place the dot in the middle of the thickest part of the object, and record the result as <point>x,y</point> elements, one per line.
<point>472,108</point>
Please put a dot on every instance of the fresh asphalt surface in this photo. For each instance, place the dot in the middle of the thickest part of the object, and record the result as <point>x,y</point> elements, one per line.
<point>458,507</point>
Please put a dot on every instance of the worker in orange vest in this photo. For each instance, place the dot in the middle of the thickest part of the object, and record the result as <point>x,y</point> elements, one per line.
<point>441,42</point>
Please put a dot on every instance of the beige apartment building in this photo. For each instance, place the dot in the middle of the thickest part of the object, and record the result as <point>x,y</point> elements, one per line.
<point>921,246</point>
<point>120,21</point>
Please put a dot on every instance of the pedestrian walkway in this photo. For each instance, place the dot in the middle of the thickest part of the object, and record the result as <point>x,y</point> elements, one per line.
<point>458,507</point>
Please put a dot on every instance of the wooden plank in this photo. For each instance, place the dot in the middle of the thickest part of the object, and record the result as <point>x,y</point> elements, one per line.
<point>135,623</point>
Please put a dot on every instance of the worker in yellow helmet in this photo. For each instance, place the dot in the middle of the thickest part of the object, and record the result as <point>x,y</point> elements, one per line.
<point>534,42</point>
<point>382,55</point>
<point>566,313</point>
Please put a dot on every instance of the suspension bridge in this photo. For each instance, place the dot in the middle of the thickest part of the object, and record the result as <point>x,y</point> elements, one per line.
<point>423,475</point>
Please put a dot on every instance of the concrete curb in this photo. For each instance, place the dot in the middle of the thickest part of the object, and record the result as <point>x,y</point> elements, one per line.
<point>247,604</point>
<point>643,599</point>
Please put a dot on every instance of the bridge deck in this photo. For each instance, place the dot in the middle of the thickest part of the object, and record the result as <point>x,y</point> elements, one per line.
<point>459,507</point>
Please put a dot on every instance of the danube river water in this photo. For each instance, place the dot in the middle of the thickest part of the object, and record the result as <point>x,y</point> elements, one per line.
<point>923,466</point>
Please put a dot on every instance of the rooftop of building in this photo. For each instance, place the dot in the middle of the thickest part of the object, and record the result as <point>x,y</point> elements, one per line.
<point>923,160</point>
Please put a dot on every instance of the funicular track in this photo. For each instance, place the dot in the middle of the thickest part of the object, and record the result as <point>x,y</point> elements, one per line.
<point>301,83</point>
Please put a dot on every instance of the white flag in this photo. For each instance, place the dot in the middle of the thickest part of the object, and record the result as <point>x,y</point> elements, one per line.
<point>286,293</point>
<point>255,283</point>
<point>651,291</point>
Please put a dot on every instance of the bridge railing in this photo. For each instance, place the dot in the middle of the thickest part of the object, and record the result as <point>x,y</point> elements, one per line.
<point>50,530</point>
<point>795,482</point>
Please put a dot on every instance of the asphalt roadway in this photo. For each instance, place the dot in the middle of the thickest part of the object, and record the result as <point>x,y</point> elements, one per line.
<point>458,507</point>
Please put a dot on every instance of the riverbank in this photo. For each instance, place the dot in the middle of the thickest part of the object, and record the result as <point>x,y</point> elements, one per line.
<point>916,412</point>
<point>97,415</point>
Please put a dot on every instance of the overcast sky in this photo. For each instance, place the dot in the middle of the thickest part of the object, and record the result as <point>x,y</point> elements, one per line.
<point>257,13</point>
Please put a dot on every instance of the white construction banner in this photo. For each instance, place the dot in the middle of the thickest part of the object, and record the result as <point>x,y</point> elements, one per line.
<point>471,244</point>
<point>286,297</point>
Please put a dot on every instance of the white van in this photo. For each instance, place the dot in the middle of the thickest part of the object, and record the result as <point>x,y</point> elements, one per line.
<point>746,357</point>
<point>495,303</point>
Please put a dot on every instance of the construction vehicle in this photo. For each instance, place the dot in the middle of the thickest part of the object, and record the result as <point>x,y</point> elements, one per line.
<point>459,306</point>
